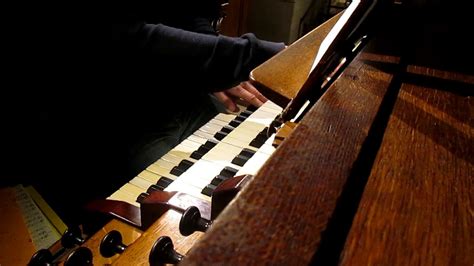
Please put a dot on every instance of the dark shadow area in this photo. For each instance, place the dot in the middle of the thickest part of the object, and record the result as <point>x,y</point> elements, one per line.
<point>334,237</point>
<point>457,87</point>
<point>458,143</point>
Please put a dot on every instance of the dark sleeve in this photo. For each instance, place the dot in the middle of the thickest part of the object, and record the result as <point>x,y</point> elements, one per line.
<point>216,62</point>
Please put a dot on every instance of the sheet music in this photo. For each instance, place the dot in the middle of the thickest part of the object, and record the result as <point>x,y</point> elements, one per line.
<point>42,232</point>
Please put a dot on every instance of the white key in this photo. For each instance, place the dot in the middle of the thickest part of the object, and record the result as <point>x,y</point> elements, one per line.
<point>190,144</point>
<point>143,183</point>
<point>123,196</point>
<point>165,164</point>
<point>201,174</point>
<point>222,153</point>
<point>160,171</point>
<point>272,106</point>
<point>225,117</point>
<point>149,176</point>
<point>218,122</point>
<point>182,151</point>
<point>204,135</point>
<point>262,118</point>
<point>210,128</point>
<point>267,147</point>
<point>253,164</point>
<point>239,142</point>
<point>190,190</point>
<point>176,156</point>
<point>197,139</point>
<point>132,190</point>
<point>241,136</point>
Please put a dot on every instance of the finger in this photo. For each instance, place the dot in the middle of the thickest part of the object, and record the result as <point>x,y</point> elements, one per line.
<point>249,87</point>
<point>240,92</point>
<point>227,101</point>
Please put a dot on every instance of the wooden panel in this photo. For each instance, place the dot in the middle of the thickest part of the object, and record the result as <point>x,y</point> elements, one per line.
<point>234,24</point>
<point>417,207</point>
<point>280,216</point>
<point>129,235</point>
<point>167,225</point>
<point>282,76</point>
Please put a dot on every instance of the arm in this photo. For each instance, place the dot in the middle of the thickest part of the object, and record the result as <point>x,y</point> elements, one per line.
<point>213,62</point>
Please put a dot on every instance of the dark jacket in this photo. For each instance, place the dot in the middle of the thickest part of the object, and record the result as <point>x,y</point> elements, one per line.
<point>164,47</point>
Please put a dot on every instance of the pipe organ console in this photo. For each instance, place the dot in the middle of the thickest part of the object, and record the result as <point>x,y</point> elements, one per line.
<point>378,171</point>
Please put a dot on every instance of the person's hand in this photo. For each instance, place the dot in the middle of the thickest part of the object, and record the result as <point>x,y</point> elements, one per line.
<point>245,91</point>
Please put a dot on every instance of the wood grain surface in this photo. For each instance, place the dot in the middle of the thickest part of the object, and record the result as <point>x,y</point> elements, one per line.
<point>279,217</point>
<point>129,235</point>
<point>281,77</point>
<point>417,207</point>
<point>167,225</point>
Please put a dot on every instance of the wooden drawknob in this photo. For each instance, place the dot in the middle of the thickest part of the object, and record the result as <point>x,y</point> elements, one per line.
<point>81,256</point>
<point>163,252</point>
<point>191,221</point>
<point>112,244</point>
<point>72,237</point>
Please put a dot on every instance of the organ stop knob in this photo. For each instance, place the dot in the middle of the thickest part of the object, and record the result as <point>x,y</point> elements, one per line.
<point>82,256</point>
<point>72,237</point>
<point>112,244</point>
<point>192,221</point>
<point>41,257</point>
<point>163,252</point>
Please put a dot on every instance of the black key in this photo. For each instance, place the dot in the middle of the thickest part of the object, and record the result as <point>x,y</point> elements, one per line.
<point>234,123</point>
<point>262,136</point>
<point>218,179</point>
<point>240,160</point>
<point>246,113</point>
<point>247,152</point>
<point>176,171</point>
<point>220,135</point>
<point>203,149</point>
<point>208,190</point>
<point>240,118</point>
<point>228,171</point>
<point>153,188</point>
<point>163,182</point>
<point>185,164</point>
<point>260,140</point>
<point>210,144</point>
<point>227,129</point>
<point>141,197</point>
<point>181,167</point>
<point>196,155</point>
<point>256,143</point>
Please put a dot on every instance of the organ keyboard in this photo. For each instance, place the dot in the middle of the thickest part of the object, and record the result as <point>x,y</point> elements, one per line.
<point>379,171</point>
<point>228,145</point>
